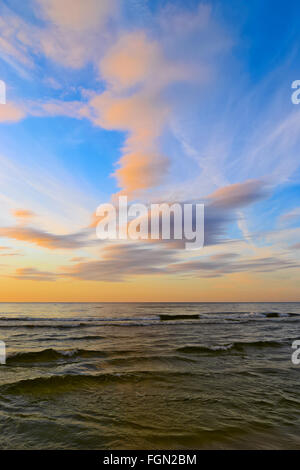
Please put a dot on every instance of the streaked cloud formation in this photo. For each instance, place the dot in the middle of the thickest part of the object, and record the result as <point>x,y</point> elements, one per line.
<point>119,261</point>
<point>45,239</point>
<point>32,274</point>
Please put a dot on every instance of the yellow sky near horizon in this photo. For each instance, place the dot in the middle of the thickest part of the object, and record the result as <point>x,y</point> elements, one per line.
<point>233,288</point>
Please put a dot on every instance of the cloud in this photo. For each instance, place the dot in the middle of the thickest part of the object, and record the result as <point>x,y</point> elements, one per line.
<point>136,73</point>
<point>224,256</point>
<point>134,60</point>
<point>150,82</point>
<point>17,39</point>
<point>73,34</point>
<point>11,113</point>
<point>45,239</point>
<point>77,15</point>
<point>77,259</point>
<point>122,260</point>
<point>33,274</point>
<point>11,254</point>
<point>238,195</point>
<point>221,210</point>
<point>7,251</point>
<point>142,164</point>
<point>75,30</point>
<point>48,189</point>
<point>291,216</point>
<point>222,207</point>
<point>213,267</point>
<point>23,214</point>
<point>54,108</point>
<point>296,246</point>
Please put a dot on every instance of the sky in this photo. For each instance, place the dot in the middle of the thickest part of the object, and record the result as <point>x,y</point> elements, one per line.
<point>161,101</point>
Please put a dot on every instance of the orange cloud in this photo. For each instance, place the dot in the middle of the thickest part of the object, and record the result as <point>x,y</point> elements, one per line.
<point>136,62</point>
<point>134,59</point>
<point>142,165</point>
<point>45,239</point>
<point>33,274</point>
<point>77,15</point>
<point>73,32</point>
<point>23,214</point>
<point>75,29</point>
<point>141,170</point>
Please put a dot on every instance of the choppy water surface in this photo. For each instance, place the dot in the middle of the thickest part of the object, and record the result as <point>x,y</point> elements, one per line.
<point>149,376</point>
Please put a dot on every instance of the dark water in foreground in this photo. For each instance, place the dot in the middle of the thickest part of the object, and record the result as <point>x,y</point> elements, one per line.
<point>143,376</point>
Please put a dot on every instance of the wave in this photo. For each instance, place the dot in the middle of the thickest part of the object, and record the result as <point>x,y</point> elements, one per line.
<point>276,314</point>
<point>47,355</point>
<point>257,344</point>
<point>204,349</point>
<point>151,359</point>
<point>82,338</point>
<point>157,319</point>
<point>56,338</point>
<point>175,316</point>
<point>73,319</point>
<point>57,383</point>
<point>238,346</point>
<point>34,325</point>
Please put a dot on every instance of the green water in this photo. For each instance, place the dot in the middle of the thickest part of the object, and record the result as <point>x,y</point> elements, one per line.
<point>149,376</point>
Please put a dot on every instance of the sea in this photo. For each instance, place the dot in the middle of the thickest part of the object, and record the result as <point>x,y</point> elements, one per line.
<point>149,376</point>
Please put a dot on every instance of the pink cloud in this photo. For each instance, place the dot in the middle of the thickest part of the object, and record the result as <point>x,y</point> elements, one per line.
<point>77,15</point>
<point>136,62</point>
<point>11,113</point>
